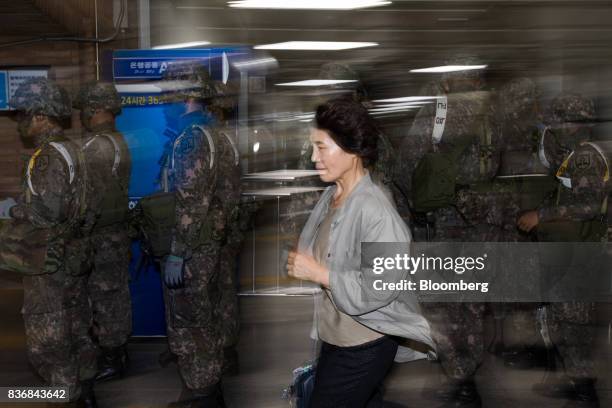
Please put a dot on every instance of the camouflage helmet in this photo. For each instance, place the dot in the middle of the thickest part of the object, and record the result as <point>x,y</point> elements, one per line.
<point>334,70</point>
<point>468,74</point>
<point>189,79</point>
<point>518,98</point>
<point>41,96</point>
<point>342,72</point>
<point>98,95</point>
<point>571,107</point>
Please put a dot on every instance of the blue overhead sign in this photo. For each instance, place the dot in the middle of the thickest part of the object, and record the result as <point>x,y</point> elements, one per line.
<point>151,64</point>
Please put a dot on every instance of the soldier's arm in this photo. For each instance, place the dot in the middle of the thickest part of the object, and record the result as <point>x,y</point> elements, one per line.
<point>53,200</point>
<point>586,169</point>
<point>194,195</point>
<point>413,147</point>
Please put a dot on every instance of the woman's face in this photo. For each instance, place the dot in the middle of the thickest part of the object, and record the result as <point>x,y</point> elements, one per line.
<point>329,158</point>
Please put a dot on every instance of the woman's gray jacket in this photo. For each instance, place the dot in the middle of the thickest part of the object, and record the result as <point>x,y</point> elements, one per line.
<point>367,215</point>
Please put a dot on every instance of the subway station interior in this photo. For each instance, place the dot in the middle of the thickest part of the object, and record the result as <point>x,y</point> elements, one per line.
<point>282,59</point>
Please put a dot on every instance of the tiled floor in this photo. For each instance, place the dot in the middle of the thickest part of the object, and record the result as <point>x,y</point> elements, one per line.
<point>274,340</point>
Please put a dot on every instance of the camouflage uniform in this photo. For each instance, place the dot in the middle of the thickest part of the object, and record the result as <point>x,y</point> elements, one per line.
<point>199,162</point>
<point>571,323</point>
<point>56,311</point>
<point>476,216</point>
<point>109,167</point>
<point>227,193</point>
<point>521,130</point>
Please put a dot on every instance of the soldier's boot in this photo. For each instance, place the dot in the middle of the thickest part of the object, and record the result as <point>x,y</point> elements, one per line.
<point>167,357</point>
<point>87,398</point>
<point>231,364</point>
<point>112,363</point>
<point>209,397</point>
<point>586,394</point>
<point>461,394</point>
<point>579,392</point>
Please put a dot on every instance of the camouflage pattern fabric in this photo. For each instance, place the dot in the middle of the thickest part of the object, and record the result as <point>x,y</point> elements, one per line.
<point>227,192</point>
<point>571,323</point>
<point>55,309</point>
<point>517,109</point>
<point>41,96</point>
<point>98,96</point>
<point>572,330</point>
<point>457,328</point>
<point>108,282</point>
<point>194,332</point>
<point>108,286</point>
<point>586,169</point>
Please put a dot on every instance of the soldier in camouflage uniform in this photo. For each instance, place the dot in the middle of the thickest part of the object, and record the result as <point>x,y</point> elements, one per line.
<point>56,311</point>
<point>200,159</point>
<point>109,167</point>
<point>460,123</point>
<point>583,173</point>
<point>528,180</point>
<point>227,192</point>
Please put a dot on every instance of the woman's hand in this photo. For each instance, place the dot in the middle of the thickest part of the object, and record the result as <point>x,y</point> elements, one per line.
<point>305,267</point>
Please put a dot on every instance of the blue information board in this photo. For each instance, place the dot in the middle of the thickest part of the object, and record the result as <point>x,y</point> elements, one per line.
<point>3,91</point>
<point>137,75</point>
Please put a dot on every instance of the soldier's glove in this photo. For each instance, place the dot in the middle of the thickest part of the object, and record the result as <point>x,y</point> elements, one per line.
<point>5,208</point>
<point>173,272</point>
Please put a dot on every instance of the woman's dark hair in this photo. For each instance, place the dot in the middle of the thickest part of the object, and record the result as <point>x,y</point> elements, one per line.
<point>350,125</point>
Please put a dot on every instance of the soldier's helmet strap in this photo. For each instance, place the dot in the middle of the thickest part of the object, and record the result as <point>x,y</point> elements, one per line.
<point>63,152</point>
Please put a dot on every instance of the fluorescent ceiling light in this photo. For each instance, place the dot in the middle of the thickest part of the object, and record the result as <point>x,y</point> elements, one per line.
<point>181,45</point>
<point>261,62</point>
<point>391,109</point>
<point>308,4</point>
<point>315,45</point>
<point>416,104</point>
<point>318,82</point>
<point>408,99</point>
<point>448,68</point>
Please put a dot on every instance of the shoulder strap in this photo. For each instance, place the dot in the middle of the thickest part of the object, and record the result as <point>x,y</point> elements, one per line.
<point>117,149</point>
<point>231,142</point>
<point>211,143</point>
<point>541,151</point>
<point>31,164</point>
<point>209,138</point>
<point>64,152</point>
